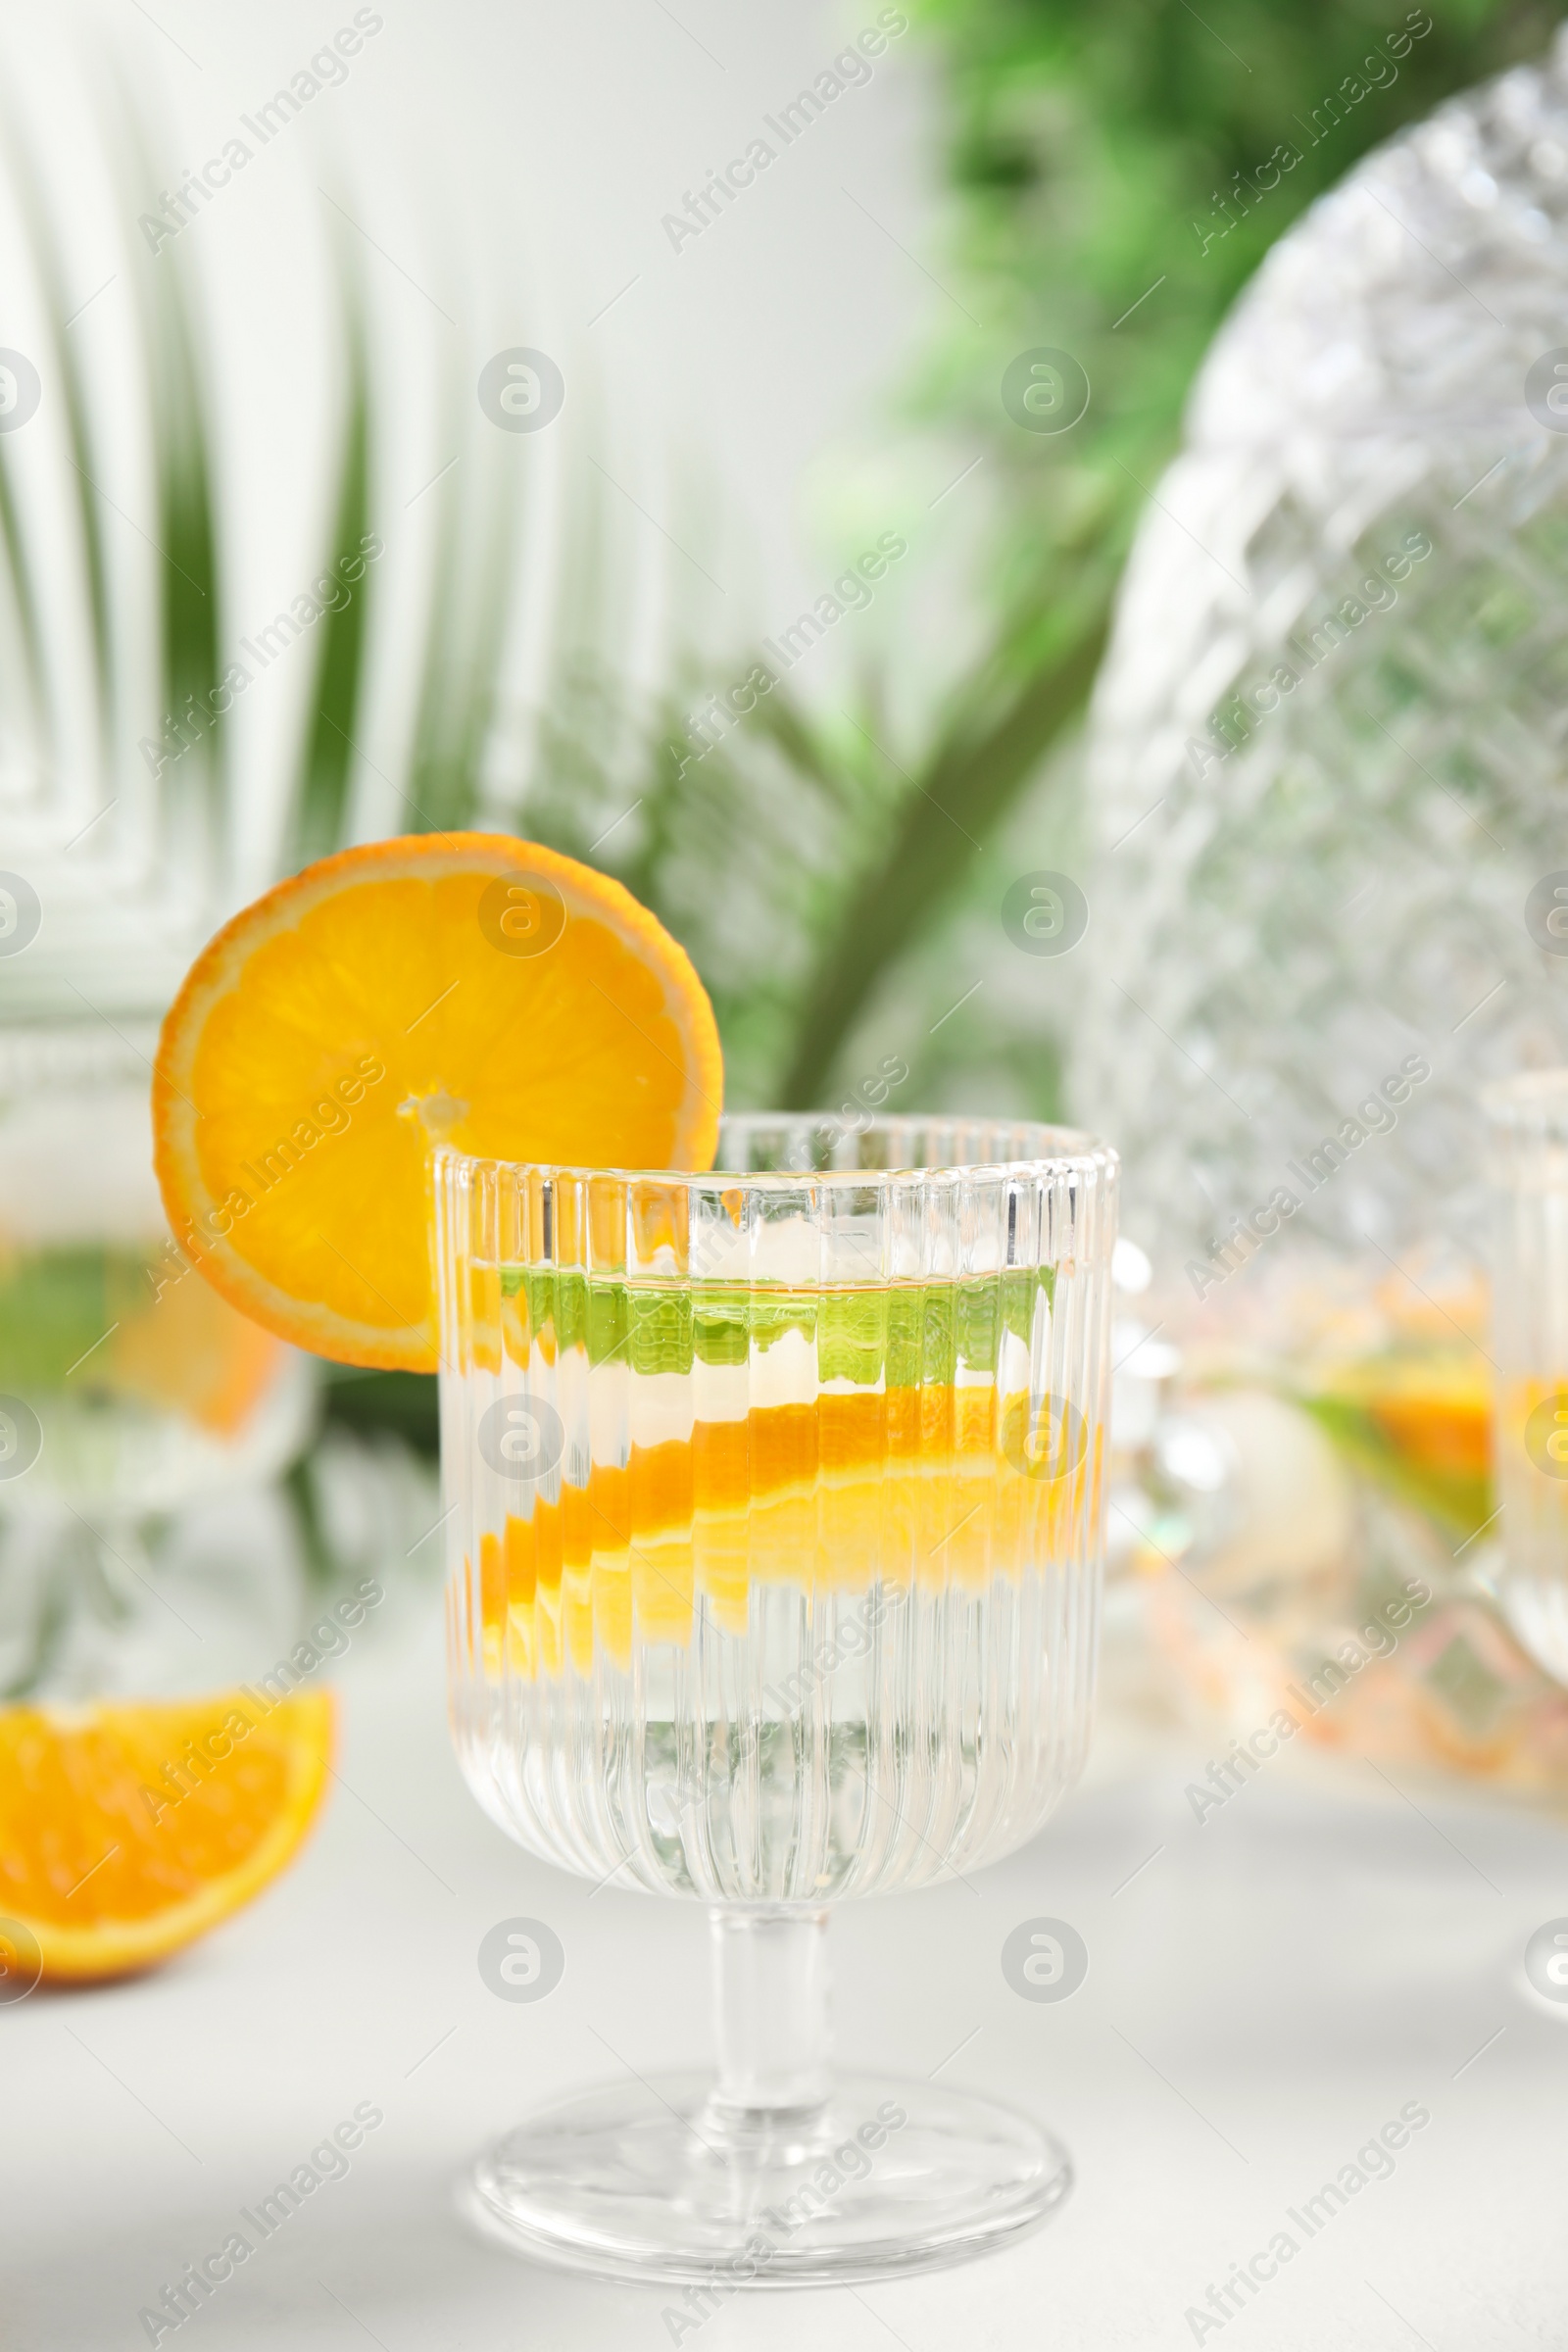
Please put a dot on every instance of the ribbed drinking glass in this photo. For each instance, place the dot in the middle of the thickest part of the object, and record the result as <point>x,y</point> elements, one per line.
<point>776,1541</point>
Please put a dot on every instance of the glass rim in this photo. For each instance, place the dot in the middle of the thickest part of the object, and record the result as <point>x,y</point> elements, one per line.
<point>1068,1151</point>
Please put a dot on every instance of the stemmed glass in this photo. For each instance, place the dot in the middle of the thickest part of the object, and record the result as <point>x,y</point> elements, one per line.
<point>775,1547</point>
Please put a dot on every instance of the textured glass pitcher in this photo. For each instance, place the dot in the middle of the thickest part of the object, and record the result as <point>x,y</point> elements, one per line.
<point>1327,752</point>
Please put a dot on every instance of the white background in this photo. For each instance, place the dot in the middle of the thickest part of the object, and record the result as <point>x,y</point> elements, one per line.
<point>503,171</point>
<point>495,177</point>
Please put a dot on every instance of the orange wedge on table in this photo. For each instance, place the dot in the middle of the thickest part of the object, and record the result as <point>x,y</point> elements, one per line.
<point>465,987</point>
<point>128,1830</point>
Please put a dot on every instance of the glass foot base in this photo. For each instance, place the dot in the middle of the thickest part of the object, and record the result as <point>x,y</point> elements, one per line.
<point>658,2180</point>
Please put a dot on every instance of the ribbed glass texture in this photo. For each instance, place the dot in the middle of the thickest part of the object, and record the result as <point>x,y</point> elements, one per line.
<point>1328,749</point>
<point>776,1499</point>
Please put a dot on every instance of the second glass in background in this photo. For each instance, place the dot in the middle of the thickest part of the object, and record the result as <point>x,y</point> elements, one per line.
<point>1528,1137</point>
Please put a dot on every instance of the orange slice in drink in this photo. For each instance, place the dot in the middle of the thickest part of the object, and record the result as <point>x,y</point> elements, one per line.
<point>462,986</point>
<point>127,1831</point>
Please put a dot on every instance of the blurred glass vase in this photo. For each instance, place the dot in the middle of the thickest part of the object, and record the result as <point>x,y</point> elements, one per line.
<point>129,1390</point>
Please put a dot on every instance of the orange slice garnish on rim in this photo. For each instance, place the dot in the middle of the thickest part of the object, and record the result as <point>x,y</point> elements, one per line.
<point>462,986</point>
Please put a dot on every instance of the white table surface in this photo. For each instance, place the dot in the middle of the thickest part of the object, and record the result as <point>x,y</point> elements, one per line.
<point>1268,1991</point>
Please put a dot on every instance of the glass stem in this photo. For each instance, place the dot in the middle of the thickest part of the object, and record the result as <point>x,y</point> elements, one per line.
<point>770,1984</point>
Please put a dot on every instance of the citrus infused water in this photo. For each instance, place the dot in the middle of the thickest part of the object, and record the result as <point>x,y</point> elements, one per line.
<point>767,1586</point>
<point>125,1383</point>
<point>817,1440</point>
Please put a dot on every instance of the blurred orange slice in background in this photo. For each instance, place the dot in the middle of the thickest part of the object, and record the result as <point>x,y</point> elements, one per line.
<point>1421,1422</point>
<point>128,1830</point>
<point>185,1349</point>
<point>464,987</point>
